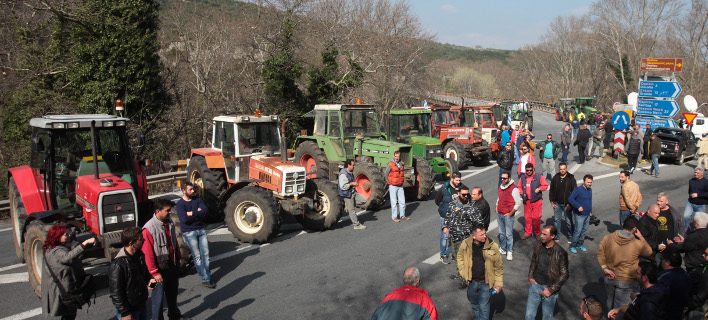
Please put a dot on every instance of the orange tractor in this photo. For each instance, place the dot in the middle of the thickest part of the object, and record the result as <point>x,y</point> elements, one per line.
<point>458,142</point>
<point>246,175</point>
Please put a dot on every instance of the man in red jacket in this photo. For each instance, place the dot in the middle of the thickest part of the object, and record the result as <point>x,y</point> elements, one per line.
<point>407,302</point>
<point>530,186</point>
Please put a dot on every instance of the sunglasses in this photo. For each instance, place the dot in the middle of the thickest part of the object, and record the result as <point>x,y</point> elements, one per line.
<point>464,194</point>
<point>529,170</point>
<point>505,178</point>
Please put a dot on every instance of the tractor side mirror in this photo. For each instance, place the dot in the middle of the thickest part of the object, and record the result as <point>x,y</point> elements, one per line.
<point>38,144</point>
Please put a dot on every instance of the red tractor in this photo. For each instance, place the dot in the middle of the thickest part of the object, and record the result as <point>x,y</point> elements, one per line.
<point>459,143</point>
<point>81,174</point>
<point>246,175</point>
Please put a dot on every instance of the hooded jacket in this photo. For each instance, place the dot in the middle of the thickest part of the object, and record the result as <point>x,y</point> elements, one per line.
<point>128,278</point>
<point>506,204</point>
<point>406,303</point>
<point>620,251</point>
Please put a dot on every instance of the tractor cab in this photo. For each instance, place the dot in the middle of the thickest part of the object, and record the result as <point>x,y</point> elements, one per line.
<point>519,112</point>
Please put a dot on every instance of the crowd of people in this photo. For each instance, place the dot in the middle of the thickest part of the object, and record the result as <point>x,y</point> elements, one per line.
<point>655,266</point>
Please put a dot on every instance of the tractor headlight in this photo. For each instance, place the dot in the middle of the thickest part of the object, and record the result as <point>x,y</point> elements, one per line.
<point>107,124</point>
<point>58,125</point>
<point>289,189</point>
<point>128,217</point>
<point>431,151</point>
<point>301,188</point>
<point>110,220</point>
<point>73,125</point>
<point>438,151</point>
<point>120,123</point>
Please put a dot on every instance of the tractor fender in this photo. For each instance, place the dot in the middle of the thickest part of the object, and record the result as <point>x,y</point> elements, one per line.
<point>235,187</point>
<point>28,186</point>
<point>331,151</point>
<point>46,217</point>
<point>214,158</point>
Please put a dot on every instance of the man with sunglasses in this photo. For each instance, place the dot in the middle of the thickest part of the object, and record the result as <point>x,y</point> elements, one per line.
<point>591,308</point>
<point>508,203</point>
<point>530,186</point>
<point>461,217</point>
<point>548,152</point>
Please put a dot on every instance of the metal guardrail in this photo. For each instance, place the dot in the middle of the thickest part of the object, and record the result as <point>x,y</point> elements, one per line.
<point>153,179</point>
<point>457,99</point>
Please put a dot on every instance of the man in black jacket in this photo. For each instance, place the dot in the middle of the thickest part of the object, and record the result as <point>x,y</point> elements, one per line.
<point>581,141</point>
<point>647,136</point>
<point>562,185</point>
<point>505,159</point>
<point>480,203</point>
<point>648,304</point>
<point>129,278</point>
<point>699,291</point>
<point>547,273</point>
<point>695,242</point>
<point>649,227</point>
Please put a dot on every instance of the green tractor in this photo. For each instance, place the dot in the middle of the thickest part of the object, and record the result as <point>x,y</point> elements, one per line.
<point>521,114</point>
<point>352,132</point>
<point>413,127</point>
<point>563,111</point>
<point>585,105</point>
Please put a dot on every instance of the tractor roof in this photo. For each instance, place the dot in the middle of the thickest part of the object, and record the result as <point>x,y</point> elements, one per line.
<point>246,118</point>
<point>585,98</point>
<point>345,107</point>
<point>411,111</point>
<point>567,99</point>
<point>75,121</point>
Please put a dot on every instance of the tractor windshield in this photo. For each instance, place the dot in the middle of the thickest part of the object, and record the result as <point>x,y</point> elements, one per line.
<point>73,148</point>
<point>443,117</point>
<point>360,122</point>
<point>413,125</point>
<point>257,135</point>
<point>470,118</point>
<point>584,102</point>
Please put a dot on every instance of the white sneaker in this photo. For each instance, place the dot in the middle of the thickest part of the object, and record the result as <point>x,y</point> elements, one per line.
<point>509,256</point>
<point>502,251</point>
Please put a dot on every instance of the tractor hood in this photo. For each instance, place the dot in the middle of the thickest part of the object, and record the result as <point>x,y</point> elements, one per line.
<point>283,177</point>
<point>381,145</point>
<point>425,140</point>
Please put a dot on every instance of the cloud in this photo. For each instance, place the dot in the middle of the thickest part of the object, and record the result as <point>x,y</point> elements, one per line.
<point>581,11</point>
<point>449,9</point>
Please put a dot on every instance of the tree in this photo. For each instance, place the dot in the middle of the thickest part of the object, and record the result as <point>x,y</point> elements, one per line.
<point>329,83</point>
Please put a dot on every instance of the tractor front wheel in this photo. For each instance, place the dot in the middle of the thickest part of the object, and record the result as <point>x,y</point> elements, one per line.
<point>253,215</point>
<point>371,184</point>
<point>17,211</point>
<point>452,167</point>
<point>309,155</point>
<point>328,206</point>
<point>209,184</point>
<point>455,151</point>
<point>34,255</point>
<point>565,116</point>
<point>424,183</point>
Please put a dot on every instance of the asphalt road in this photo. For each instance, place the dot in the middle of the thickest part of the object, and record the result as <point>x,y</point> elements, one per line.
<point>344,273</point>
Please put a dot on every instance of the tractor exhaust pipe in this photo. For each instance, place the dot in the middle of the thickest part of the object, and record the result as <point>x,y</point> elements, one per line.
<point>283,144</point>
<point>93,149</point>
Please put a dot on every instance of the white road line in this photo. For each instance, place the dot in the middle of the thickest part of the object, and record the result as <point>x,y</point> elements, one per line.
<point>235,252</point>
<point>479,171</point>
<point>14,266</point>
<point>574,168</point>
<point>5,229</point>
<point>13,278</point>
<point>24,315</point>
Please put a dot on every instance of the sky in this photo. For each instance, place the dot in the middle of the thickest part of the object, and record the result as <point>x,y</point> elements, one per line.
<point>498,24</point>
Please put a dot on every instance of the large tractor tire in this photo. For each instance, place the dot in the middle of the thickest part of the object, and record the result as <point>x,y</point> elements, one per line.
<point>452,167</point>
<point>558,115</point>
<point>111,245</point>
<point>17,210</point>
<point>425,180</point>
<point>371,184</point>
<point>328,206</point>
<point>186,261</point>
<point>455,151</point>
<point>309,155</point>
<point>34,257</point>
<point>565,116</point>
<point>210,185</point>
<point>253,215</point>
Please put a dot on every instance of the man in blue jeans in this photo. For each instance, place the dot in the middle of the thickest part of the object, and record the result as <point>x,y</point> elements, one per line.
<point>655,153</point>
<point>446,195</point>
<point>581,200</point>
<point>508,203</point>
<point>697,196</point>
<point>562,185</point>
<point>548,272</point>
<point>191,211</point>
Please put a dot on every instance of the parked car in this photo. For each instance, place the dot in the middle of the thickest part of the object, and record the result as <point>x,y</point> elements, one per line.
<point>677,144</point>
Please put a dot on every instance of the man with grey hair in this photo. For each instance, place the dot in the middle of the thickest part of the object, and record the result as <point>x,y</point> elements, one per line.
<point>408,301</point>
<point>697,196</point>
<point>695,243</point>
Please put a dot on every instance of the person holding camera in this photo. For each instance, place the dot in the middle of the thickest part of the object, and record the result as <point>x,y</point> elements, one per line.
<point>128,277</point>
<point>62,267</point>
<point>581,200</point>
<point>162,258</point>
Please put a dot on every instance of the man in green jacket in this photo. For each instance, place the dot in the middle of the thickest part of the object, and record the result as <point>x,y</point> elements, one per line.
<point>480,265</point>
<point>548,152</point>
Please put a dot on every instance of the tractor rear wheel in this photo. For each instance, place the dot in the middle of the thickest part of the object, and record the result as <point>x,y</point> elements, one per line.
<point>455,151</point>
<point>529,123</point>
<point>186,262</point>
<point>253,215</point>
<point>309,155</point>
<point>328,206</point>
<point>558,117</point>
<point>452,167</point>
<point>565,116</point>
<point>34,256</point>
<point>17,210</point>
<point>371,184</point>
<point>424,183</point>
<point>210,185</point>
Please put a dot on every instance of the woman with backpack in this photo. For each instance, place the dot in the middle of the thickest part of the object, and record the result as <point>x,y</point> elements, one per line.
<point>63,267</point>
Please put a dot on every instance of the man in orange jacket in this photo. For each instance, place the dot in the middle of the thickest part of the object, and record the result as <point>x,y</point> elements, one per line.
<point>394,172</point>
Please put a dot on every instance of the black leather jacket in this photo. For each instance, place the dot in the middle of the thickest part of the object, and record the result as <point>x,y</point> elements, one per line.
<point>505,159</point>
<point>128,278</point>
<point>557,268</point>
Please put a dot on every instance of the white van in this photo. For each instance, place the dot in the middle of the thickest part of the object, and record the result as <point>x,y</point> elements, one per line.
<point>700,125</point>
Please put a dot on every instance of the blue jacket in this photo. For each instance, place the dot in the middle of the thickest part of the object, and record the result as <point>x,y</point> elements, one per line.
<point>193,222</point>
<point>445,196</point>
<point>581,197</point>
<point>505,137</point>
